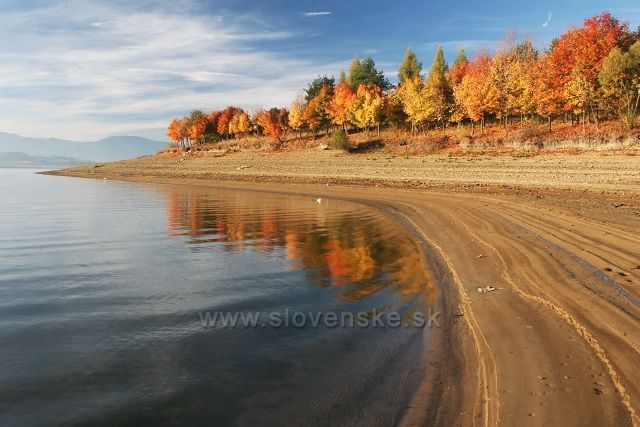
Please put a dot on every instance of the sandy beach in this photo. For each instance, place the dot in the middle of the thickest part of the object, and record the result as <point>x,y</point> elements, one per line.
<point>538,259</point>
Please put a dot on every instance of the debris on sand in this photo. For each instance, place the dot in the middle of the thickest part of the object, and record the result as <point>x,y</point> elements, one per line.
<point>486,289</point>
<point>243,167</point>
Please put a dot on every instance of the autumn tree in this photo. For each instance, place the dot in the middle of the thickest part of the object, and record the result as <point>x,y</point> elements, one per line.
<point>619,78</point>
<point>240,123</point>
<point>576,58</point>
<point>366,108</point>
<point>270,121</point>
<point>497,99</point>
<point>587,71</point>
<point>393,111</point>
<point>175,131</point>
<point>339,104</point>
<point>414,102</point>
<point>474,92</point>
<point>547,100</point>
<point>211,130</point>
<point>296,121</point>
<point>197,126</point>
<point>459,68</point>
<point>521,80</point>
<point>455,76</point>
<point>223,120</point>
<point>185,127</point>
<point>410,67</point>
<point>511,89</point>
<point>315,112</point>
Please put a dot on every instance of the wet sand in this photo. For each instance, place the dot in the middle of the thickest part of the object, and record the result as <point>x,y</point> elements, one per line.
<point>557,341</point>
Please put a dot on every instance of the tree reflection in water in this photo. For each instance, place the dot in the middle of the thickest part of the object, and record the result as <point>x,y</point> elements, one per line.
<point>338,243</point>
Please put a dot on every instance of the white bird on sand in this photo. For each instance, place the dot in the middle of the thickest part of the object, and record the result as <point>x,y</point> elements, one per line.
<point>319,200</point>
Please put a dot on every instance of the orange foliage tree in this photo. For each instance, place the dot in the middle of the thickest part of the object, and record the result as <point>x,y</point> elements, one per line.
<point>455,75</point>
<point>575,60</point>
<point>568,80</point>
<point>271,122</point>
<point>315,113</point>
<point>174,131</point>
<point>197,126</point>
<point>474,92</point>
<point>339,104</point>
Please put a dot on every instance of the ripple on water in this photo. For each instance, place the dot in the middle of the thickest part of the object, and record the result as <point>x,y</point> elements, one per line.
<point>102,283</point>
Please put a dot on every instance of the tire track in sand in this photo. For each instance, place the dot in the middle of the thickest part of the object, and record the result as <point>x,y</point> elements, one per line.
<point>571,321</point>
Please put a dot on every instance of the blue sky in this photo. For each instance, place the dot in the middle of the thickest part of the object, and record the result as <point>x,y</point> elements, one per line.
<point>88,69</point>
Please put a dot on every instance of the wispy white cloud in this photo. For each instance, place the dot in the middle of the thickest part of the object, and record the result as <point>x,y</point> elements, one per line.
<point>548,21</point>
<point>85,69</point>
<point>310,14</point>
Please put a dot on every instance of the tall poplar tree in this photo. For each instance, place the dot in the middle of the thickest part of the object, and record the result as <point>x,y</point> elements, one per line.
<point>437,91</point>
<point>410,67</point>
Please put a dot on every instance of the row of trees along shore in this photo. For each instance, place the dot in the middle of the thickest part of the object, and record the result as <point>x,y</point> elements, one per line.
<point>587,74</point>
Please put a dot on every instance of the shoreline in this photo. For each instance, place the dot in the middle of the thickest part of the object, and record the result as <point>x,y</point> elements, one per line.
<point>441,371</point>
<point>534,313</point>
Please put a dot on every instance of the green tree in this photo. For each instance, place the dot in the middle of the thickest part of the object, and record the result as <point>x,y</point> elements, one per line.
<point>365,72</point>
<point>461,58</point>
<point>316,86</point>
<point>343,77</point>
<point>410,67</point>
<point>439,63</point>
<point>437,91</point>
<point>620,83</point>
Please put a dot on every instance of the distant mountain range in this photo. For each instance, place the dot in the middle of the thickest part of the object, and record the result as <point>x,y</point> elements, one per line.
<point>23,160</point>
<point>107,149</point>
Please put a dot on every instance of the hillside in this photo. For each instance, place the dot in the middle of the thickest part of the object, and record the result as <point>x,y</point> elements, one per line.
<point>16,159</point>
<point>107,149</point>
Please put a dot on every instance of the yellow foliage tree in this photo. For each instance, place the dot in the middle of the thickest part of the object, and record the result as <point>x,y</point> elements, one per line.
<point>414,103</point>
<point>367,106</point>
<point>296,121</point>
<point>240,124</point>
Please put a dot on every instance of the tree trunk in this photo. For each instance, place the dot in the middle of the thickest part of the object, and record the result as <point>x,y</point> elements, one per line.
<point>378,129</point>
<point>506,123</point>
<point>549,120</point>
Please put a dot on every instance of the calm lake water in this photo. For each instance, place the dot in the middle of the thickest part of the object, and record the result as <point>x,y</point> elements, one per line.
<point>103,285</point>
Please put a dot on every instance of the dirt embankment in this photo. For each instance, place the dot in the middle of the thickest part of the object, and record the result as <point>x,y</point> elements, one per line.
<point>556,342</point>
